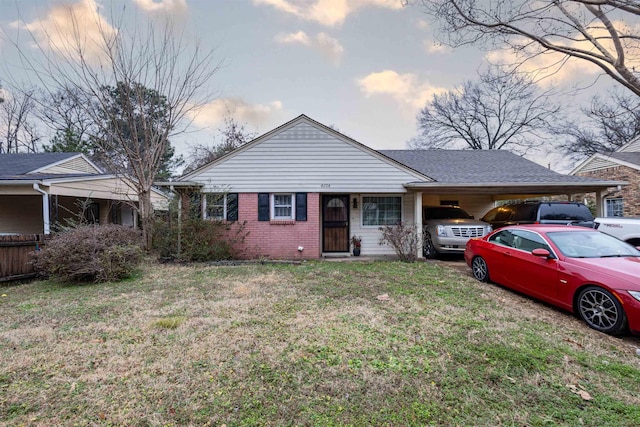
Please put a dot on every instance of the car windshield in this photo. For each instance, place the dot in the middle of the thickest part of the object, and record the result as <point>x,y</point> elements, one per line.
<point>445,213</point>
<point>590,244</point>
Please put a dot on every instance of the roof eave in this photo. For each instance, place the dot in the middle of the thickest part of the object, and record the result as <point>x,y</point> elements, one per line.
<point>516,187</point>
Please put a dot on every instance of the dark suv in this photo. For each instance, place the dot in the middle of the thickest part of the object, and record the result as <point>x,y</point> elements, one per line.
<point>566,213</point>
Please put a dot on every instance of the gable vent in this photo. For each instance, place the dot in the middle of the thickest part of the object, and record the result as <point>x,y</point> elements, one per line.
<point>303,131</point>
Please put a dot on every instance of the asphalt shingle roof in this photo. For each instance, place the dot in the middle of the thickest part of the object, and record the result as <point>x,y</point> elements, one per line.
<point>22,163</point>
<point>16,166</point>
<point>477,166</point>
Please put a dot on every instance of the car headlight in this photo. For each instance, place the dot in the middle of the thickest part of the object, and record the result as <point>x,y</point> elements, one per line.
<point>635,294</point>
<point>489,229</point>
<point>441,231</point>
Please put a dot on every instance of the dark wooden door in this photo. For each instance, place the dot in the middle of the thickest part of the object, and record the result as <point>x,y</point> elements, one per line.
<point>335,223</point>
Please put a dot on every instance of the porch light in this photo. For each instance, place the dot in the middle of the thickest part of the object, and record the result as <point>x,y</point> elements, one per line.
<point>355,203</point>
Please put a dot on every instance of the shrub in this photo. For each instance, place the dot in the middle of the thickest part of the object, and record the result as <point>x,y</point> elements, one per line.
<point>403,239</point>
<point>198,240</point>
<point>90,253</point>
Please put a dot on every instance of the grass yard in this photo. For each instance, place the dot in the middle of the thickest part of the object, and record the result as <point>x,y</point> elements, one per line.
<point>307,344</point>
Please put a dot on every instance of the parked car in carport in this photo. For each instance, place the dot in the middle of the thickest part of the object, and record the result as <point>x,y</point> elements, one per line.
<point>562,213</point>
<point>578,269</point>
<point>448,228</point>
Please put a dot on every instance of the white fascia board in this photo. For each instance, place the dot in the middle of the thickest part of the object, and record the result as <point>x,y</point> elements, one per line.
<point>524,185</point>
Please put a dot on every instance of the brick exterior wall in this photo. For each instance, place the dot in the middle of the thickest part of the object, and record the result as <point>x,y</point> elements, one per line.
<point>630,193</point>
<point>279,239</point>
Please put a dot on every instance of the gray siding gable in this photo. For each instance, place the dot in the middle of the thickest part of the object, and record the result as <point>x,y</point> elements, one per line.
<point>304,155</point>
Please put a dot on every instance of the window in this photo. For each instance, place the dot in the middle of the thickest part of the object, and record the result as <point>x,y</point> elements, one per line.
<point>378,211</point>
<point>282,206</point>
<point>613,207</point>
<point>215,206</point>
<point>528,241</point>
<point>218,206</point>
<point>92,213</point>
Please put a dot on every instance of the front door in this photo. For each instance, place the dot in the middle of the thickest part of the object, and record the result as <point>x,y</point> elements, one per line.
<point>335,223</point>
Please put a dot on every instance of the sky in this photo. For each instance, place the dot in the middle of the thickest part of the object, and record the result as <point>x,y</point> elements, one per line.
<point>364,67</point>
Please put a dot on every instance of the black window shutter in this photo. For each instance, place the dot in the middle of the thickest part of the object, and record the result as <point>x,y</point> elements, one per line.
<point>232,207</point>
<point>263,207</point>
<point>301,206</point>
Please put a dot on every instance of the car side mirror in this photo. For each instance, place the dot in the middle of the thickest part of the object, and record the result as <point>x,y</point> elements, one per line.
<point>542,253</point>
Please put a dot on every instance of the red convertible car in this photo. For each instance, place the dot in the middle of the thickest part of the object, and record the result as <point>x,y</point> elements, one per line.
<point>575,268</point>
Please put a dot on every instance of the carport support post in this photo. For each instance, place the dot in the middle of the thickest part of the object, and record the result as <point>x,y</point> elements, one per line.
<point>599,206</point>
<point>417,202</point>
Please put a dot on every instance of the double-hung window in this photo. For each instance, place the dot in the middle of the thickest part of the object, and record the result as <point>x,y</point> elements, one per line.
<point>219,206</point>
<point>385,210</point>
<point>614,207</point>
<point>282,206</point>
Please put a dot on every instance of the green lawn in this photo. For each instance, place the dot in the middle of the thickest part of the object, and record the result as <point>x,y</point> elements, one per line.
<point>307,344</point>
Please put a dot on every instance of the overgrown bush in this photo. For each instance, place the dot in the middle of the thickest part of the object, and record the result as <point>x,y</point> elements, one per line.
<point>403,239</point>
<point>90,253</point>
<point>198,240</point>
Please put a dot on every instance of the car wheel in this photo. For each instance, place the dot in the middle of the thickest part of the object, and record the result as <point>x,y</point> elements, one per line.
<point>480,269</point>
<point>428,250</point>
<point>601,310</point>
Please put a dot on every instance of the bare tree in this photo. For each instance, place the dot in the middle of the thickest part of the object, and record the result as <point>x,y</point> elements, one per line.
<point>610,124</point>
<point>20,134</point>
<point>601,32</point>
<point>233,135</point>
<point>155,57</point>
<point>61,112</point>
<point>496,112</point>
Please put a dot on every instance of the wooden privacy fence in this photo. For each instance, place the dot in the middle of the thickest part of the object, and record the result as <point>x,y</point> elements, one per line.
<point>15,255</point>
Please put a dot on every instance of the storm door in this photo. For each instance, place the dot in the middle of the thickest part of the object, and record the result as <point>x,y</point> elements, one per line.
<point>335,223</point>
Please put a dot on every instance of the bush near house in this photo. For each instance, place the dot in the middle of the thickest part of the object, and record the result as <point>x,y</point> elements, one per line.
<point>90,253</point>
<point>403,238</point>
<point>198,240</point>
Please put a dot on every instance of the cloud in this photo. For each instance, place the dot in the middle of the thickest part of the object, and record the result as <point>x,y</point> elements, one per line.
<point>173,8</point>
<point>213,113</point>
<point>67,24</point>
<point>326,12</point>
<point>406,89</point>
<point>299,37</point>
<point>329,47</point>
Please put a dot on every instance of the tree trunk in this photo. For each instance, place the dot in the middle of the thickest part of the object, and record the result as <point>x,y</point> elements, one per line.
<point>146,218</point>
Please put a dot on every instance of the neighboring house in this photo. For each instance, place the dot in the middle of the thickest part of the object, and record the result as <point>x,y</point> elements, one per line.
<point>39,191</point>
<point>624,165</point>
<point>303,189</point>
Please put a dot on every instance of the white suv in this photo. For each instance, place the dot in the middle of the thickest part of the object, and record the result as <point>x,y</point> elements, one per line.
<point>448,228</point>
